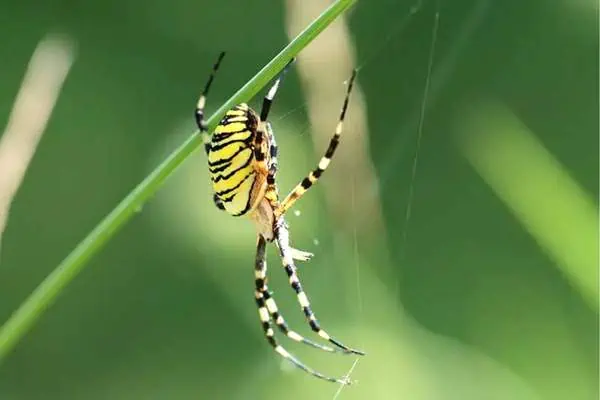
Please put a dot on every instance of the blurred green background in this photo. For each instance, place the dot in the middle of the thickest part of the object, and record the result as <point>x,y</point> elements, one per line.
<point>492,295</point>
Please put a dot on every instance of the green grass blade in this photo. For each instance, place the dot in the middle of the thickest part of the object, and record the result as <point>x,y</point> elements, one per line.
<point>40,299</point>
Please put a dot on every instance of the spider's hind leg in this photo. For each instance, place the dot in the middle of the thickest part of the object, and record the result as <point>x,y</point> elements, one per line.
<point>282,240</point>
<point>268,313</point>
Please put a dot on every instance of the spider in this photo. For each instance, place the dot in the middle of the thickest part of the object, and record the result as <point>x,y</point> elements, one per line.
<point>242,162</point>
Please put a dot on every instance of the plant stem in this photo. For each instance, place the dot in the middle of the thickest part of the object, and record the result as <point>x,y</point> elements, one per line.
<point>42,297</point>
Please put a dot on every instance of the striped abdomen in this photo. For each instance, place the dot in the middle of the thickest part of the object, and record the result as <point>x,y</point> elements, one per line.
<point>231,159</point>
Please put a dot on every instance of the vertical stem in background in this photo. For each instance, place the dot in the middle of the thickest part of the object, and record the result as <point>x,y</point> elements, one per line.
<point>323,67</point>
<point>46,73</point>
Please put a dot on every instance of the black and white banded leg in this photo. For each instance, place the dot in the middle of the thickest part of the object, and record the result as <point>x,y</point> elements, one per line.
<point>314,175</point>
<point>263,124</point>
<point>269,313</point>
<point>260,272</point>
<point>283,243</point>
<point>272,186</point>
<point>200,120</point>
<point>273,152</point>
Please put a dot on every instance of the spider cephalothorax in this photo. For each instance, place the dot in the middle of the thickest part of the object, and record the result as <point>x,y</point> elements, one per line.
<point>242,162</point>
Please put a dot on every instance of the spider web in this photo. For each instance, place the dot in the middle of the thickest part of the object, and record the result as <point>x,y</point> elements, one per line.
<point>365,63</point>
<point>394,32</point>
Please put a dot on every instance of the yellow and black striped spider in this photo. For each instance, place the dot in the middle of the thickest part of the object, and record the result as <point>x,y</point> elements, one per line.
<point>242,161</point>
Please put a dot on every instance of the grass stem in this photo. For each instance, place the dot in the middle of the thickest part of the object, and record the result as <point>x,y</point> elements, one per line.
<point>44,295</point>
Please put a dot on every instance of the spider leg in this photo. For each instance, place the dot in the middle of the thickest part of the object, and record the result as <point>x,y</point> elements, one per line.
<point>273,151</point>
<point>202,102</point>
<point>272,193</point>
<point>264,131</point>
<point>283,242</point>
<point>218,202</point>
<point>260,272</point>
<point>314,175</point>
<point>268,100</point>
<point>267,311</point>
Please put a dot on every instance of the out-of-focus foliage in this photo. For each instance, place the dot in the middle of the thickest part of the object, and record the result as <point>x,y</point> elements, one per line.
<point>472,305</point>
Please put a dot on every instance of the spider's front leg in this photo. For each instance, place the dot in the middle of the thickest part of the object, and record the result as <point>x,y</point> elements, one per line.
<point>199,113</point>
<point>315,175</point>
<point>265,134</point>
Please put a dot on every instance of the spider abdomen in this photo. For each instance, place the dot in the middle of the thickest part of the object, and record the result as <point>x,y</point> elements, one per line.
<point>231,159</point>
